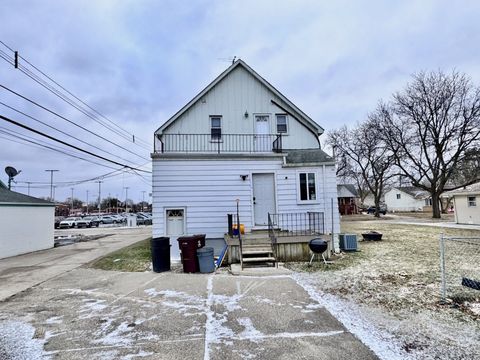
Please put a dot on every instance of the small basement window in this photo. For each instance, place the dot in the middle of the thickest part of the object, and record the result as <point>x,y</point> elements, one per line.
<point>216,127</point>
<point>472,201</point>
<point>307,187</point>
<point>282,124</point>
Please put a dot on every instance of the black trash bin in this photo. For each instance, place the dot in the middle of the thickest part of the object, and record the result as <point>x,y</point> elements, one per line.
<point>160,248</point>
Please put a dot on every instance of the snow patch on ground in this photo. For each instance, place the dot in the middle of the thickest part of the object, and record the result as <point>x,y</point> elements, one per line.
<point>179,300</point>
<point>249,332</point>
<point>17,342</point>
<point>381,343</point>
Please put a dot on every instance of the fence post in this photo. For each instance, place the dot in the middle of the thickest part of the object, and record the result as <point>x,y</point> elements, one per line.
<point>442,270</point>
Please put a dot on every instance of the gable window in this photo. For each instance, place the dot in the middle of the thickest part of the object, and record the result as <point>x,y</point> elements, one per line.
<point>472,201</point>
<point>282,124</point>
<point>216,127</point>
<point>399,196</point>
<point>308,190</point>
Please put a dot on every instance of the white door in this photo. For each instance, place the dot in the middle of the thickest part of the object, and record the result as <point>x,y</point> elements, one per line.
<point>263,197</point>
<point>262,131</point>
<point>175,222</point>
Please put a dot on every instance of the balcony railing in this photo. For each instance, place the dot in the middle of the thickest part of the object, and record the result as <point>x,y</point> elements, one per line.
<point>226,143</point>
<point>296,224</point>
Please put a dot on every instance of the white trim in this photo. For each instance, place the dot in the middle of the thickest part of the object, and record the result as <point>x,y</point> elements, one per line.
<point>167,208</point>
<point>297,180</point>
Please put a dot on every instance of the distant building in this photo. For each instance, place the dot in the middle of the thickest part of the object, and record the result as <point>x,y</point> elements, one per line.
<point>27,223</point>
<point>467,204</point>
<point>407,198</point>
<point>347,199</point>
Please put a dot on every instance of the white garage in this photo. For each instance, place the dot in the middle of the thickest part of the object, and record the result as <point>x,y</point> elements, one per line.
<point>26,223</point>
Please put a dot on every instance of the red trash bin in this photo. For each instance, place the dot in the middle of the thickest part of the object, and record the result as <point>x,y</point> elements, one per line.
<point>188,246</point>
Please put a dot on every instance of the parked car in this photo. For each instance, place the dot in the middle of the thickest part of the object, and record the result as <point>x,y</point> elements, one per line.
<point>382,210</point>
<point>93,221</point>
<point>140,220</point>
<point>83,222</point>
<point>57,221</point>
<point>118,218</point>
<point>69,222</point>
<point>145,219</point>
<point>107,219</point>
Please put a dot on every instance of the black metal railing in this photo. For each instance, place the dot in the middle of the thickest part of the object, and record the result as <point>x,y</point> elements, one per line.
<point>273,238</point>
<point>296,224</point>
<point>226,143</point>
<point>240,247</point>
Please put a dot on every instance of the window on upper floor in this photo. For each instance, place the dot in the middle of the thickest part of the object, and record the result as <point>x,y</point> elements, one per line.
<point>472,201</point>
<point>216,127</point>
<point>282,127</point>
<point>308,191</point>
<point>399,196</point>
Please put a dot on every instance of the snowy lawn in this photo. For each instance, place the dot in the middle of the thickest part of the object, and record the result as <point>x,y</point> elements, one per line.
<point>395,283</point>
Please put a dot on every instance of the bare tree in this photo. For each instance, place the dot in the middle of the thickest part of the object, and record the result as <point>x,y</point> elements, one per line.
<point>430,127</point>
<point>367,154</point>
<point>349,172</point>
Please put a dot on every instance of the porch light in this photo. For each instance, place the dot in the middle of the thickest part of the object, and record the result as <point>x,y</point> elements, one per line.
<point>246,114</point>
<point>244,177</point>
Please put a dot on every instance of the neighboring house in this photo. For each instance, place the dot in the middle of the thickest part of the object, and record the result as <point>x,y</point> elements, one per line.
<point>240,139</point>
<point>348,199</point>
<point>467,204</point>
<point>407,198</point>
<point>26,223</point>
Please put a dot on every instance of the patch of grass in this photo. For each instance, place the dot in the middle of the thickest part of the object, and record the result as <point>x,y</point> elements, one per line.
<point>336,262</point>
<point>134,258</point>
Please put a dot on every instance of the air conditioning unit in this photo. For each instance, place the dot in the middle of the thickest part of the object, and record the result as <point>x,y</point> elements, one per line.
<point>348,242</point>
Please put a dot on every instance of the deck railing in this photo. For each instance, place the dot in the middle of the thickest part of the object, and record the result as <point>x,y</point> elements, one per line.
<point>224,143</point>
<point>273,238</point>
<point>296,224</point>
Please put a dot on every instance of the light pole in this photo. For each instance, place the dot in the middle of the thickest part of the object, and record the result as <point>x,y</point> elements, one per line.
<point>126,198</point>
<point>52,196</point>
<point>143,200</point>
<point>28,183</point>
<point>87,202</point>
<point>99,194</point>
<point>71,210</point>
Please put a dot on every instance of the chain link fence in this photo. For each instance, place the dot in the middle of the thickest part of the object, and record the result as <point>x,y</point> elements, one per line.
<point>460,268</point>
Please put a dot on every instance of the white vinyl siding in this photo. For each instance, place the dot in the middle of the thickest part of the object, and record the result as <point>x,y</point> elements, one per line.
<point>238,93</point>
<point>208,189</point>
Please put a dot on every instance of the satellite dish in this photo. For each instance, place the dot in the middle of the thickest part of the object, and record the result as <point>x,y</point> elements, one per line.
<point>11,171</point>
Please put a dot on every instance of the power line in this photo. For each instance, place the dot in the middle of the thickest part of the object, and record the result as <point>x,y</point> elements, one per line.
<point>67,144</point>
<point>130,135</point>
<point>60,131</point>
<point>68,120</point>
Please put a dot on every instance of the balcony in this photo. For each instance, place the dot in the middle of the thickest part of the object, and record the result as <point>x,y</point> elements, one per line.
<point>225,143</point>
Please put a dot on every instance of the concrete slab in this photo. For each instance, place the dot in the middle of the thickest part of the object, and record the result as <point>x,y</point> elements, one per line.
<point>94,314</point>
<point>236,269</point>
<point>19,273</point>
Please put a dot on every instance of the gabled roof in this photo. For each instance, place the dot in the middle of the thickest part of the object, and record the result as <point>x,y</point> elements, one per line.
<point>349,187</point>
<point>467,190</point>
<point>8,197</point>
<point>301,116</point>
<point>413,191</point>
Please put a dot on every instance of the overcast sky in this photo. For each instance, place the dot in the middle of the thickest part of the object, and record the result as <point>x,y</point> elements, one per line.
<point>138,62</point>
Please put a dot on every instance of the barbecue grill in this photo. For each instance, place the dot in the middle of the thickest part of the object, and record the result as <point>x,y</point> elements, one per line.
<point>317,246</point>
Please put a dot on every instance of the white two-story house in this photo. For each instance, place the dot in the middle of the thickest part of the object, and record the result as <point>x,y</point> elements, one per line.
<point>241,141</point>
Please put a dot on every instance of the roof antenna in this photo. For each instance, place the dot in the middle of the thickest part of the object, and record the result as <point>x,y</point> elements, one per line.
<point>233,60</point>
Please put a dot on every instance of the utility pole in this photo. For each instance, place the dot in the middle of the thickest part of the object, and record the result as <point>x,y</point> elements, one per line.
<point>99,194</point>
<point>51,184</point>
<point>143,200</point>
<point>87,202</point>
<point>71,200</point>
<point>126,198</point>
<point>116,198</point>
<point>28,183</point>
<point>54,187</point>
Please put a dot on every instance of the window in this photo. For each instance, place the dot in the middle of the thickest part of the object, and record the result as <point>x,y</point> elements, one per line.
<point>281,124</point>
<point>216,128</point>
<point>428,202</point>
<point>472,201</point>
<point>307,187</point>
<point>399,196</point>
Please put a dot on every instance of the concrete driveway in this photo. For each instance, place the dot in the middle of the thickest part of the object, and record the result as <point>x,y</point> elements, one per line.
<point>53,307</point>
<point>95,314</point>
